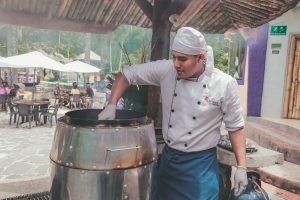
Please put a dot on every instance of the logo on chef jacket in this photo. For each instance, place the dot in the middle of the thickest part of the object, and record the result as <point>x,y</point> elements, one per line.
<point>212,101</point>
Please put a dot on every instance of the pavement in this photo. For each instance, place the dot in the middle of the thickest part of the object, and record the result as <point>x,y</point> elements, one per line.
<point>25,163</point>
<point>24,153</point>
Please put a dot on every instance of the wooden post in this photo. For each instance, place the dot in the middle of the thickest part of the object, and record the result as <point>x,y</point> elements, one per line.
<point>160,45</point>
<point>159,14</point>
<point>289,77</point>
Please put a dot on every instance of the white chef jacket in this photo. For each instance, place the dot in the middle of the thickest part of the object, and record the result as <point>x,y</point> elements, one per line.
<point>193,110</point>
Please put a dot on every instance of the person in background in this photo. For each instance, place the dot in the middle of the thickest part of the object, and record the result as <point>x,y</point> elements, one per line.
<point>60,96</point>
<point>75,89</point>
<point>14,92</point>
<point>3,90</point>
<point>196,98</point>
<point>57,91</point>
<point>3,95</point>
<point>89,91</point>
<point>87,100</point>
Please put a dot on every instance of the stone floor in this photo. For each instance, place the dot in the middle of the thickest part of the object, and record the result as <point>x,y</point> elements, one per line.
<point>24,153</point>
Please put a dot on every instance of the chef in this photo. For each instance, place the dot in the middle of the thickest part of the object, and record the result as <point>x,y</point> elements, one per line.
<point>196,98</point>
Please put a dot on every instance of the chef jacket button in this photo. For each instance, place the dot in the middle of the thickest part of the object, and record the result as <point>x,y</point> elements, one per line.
<point>194,118</point>
<point>172,110</point>
<point>175,94</point>
<point>199,102</point>
<point>185,145</point>
<point>168,141</point>
<point>170,125</point>
<point>189,132</point>
<point>204,85</point>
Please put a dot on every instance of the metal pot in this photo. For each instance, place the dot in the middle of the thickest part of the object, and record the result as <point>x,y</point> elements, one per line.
<point>107,160</point>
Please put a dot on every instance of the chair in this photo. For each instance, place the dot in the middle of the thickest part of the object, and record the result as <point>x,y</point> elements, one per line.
<point>13,111</point>
<point>3,98</point>
<point>77,100</point>
<point>50,112</point>
<point>25,110</point>
<point>58,99</point>
<point>43,108</point>
<point>89,102</point>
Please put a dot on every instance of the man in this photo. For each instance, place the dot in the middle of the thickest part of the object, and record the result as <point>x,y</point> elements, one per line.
<point>57,89</point>
<point>89,91</point>
<point>196,98</point>
<point>74,89</point>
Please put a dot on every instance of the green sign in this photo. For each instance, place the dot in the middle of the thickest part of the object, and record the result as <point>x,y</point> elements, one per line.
<point>275,46</point>
<point>278,30</point>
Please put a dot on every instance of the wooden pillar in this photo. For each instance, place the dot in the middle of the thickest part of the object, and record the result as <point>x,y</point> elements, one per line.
<point>159,14</point>
<point>160,50</point>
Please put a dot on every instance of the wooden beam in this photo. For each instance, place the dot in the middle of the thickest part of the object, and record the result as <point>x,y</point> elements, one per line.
<point>176,7</point>
<point>146,7</point>
<point>45,23</point>
<point>52,6</point>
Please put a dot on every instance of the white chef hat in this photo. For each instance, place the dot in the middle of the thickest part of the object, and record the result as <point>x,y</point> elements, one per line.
<point>189,41</point>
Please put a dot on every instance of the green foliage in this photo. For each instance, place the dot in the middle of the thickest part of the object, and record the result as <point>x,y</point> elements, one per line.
<point>135,40</point>
<point>221,60</point>
<point>51,80</point>
<point>228,53</point>
<point>64,80</point>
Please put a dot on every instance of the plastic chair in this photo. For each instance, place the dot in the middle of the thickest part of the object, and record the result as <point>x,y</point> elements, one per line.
<point>43,108</point>
<point>77,100</point>
<point>58,99</point>
<point>49,113</point>
<point>3,98</point>
<point>13,111</point>
<point>25,111</point>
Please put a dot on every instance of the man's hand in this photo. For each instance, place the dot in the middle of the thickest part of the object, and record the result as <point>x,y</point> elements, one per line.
<point>108,113</point>
<point>240,180</point>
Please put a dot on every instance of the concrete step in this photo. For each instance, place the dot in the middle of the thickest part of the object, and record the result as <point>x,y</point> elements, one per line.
<point>277,139</point>
<point>276,193</point>
<point>285,125</point>
<point>285,176</point>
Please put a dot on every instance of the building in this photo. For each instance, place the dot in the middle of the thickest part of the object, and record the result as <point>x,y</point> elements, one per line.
<point>271,71</point>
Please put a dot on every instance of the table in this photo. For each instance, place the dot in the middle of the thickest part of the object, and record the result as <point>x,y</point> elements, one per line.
<point>36,105</point>
<point>32,102</point>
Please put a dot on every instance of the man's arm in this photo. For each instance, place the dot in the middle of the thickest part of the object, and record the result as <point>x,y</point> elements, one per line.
<point>238,142</point>
<point>118,88</point>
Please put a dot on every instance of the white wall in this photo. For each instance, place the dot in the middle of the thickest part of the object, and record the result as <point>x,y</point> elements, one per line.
<point>243,89</point>
<point>276,65</point>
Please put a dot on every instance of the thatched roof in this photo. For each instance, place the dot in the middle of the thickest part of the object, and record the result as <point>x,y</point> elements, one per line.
<point>213,16</point>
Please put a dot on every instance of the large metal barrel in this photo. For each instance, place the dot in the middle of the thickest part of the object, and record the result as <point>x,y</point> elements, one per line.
<point>102,160</point>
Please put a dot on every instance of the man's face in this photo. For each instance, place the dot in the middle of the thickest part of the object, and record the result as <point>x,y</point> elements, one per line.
<point>187,66</point>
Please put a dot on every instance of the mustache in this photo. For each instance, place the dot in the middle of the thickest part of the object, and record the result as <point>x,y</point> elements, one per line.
<point>179,69</point>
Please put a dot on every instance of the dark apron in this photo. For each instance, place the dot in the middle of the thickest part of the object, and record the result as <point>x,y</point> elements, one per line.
<point>188,175</point>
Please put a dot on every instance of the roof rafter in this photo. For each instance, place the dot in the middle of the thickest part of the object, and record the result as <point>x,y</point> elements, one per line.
<point>46,23</point>
<point>146,7</point>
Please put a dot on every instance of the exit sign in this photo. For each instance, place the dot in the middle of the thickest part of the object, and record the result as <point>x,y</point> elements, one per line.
<point>278,30</point>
